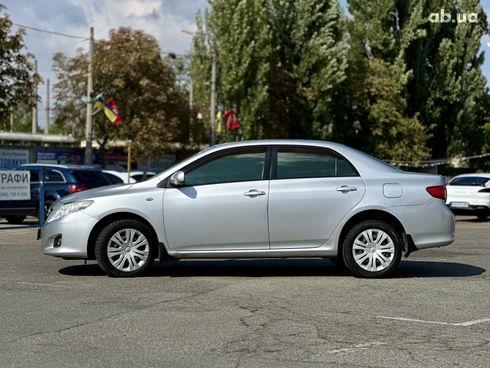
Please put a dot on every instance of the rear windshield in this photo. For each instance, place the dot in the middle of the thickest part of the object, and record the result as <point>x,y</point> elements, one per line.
<point>90,179</point>
<point>472,181</point>
<point>113,178</point>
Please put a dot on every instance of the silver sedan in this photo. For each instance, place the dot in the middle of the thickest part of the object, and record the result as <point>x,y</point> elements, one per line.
<point>257,199</point>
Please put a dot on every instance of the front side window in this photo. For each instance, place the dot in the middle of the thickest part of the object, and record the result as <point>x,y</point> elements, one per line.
<point>231,167</point>
<point>297,163</point>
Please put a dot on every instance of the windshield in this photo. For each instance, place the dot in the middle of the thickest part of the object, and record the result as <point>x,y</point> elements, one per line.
<point>90,179</point>
<point>471,181</point>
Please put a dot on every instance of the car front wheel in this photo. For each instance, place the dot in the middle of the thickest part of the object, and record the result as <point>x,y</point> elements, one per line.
<point>372,249</point>
<point>125,248</point>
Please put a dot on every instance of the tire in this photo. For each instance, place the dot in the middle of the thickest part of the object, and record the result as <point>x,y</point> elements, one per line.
<point>365,257</point>
<point>482,217</point>
<point>47,204</point>
<point>125,260</point>
<point>15,219</point>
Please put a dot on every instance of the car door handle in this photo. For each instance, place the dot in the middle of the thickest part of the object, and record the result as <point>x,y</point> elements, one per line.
<point>346,188</point>
<point>254,193</point>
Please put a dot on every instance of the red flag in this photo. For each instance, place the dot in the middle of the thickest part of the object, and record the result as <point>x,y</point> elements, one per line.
<point>231,120</point>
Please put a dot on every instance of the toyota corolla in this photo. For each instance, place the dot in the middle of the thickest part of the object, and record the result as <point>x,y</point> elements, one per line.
<point>257,199</point>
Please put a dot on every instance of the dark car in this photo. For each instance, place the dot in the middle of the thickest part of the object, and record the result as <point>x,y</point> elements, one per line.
<point>59,181</point>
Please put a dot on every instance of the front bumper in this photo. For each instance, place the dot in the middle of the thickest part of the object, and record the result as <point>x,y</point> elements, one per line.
<point>74,230</point>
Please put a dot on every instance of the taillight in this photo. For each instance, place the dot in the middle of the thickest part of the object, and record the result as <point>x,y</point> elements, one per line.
<point>75,188</point>
<point>484,190</point>
<point>437,191</point>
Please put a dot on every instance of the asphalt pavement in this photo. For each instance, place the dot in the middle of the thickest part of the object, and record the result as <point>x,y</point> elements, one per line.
<point>247,313</point>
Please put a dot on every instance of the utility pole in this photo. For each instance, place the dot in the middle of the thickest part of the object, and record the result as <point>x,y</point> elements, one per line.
<point>191,109</point>
<point>212,104</point>
<point>88,125</point>
<point>46,123</point>
<point>34,108</point>
<point>11,119</point>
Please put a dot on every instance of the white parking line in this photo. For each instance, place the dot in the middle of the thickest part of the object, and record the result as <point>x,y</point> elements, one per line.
<point>356,347</point>
<point>474,322</point>
<point>464,324</point>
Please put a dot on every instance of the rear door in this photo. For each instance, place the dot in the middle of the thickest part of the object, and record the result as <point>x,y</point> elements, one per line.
<point>311,190</point>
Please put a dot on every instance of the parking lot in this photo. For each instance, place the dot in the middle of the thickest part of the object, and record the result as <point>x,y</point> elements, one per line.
<point>247,313</point>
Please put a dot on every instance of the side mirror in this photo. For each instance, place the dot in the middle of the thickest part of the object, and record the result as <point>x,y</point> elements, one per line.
<point>177,179</point>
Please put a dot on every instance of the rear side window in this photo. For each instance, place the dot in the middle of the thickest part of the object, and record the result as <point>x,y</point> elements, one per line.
<point>304,162</point>
<point>232,167</point>
<point>53,176</point>
<point>472,181</point>
<point>90,179</point>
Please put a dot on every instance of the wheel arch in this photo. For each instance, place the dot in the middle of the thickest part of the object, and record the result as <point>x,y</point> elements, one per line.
<point>373,214</point>
<point>94,233</point>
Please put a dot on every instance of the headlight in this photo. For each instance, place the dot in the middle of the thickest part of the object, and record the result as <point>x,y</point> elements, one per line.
<point>68,208</point>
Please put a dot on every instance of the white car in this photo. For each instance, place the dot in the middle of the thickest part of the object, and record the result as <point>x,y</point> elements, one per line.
<point>469,194</point>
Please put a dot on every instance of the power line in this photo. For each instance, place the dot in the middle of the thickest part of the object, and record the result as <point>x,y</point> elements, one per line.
<point>50,32</point>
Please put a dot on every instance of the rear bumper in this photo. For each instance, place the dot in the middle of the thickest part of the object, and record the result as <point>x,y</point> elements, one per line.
<point>471,210</point>
<point>430,225</point>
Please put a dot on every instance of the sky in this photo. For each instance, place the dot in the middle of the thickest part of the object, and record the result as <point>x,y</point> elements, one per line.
<point>164,19</point>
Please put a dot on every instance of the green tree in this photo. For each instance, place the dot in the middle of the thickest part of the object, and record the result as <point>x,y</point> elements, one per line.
<point>129,68</point>
<point>200,75</point>
<point>372,111</point>
<point>447,81</point>
<point>16,69</point>
<point>279,62</point>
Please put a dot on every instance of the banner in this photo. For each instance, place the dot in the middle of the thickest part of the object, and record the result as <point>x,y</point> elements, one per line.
<point>15,185</point>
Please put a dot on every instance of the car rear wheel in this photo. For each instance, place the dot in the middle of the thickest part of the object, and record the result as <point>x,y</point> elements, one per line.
<point>125,248</point>
<point>372,249</point>
<point>18,219</point>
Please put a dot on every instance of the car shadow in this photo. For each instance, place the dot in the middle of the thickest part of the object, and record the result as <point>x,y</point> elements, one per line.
<point>280,268</point>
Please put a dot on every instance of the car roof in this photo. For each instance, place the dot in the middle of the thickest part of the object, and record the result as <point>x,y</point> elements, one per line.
<point>481,175</point>
<point>299,142</point>
<point>57,166</point>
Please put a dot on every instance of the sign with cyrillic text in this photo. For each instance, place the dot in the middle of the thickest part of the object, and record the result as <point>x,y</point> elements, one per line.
<point>15,185</point>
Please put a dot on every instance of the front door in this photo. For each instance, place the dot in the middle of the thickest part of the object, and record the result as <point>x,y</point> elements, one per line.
<point>223,204</point>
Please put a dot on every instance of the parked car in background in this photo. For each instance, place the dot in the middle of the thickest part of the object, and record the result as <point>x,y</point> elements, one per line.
<point>120,177</point>
<point>142,175</point>
<point>469,194</point>
<point>117,177</point>
<point>59,181</point>
<point>258,199</point>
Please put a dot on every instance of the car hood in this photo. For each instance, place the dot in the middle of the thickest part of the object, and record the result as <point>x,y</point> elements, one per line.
<point>96,193</point>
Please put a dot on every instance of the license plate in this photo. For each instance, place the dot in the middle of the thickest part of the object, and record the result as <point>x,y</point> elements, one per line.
<point>459,204</point>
